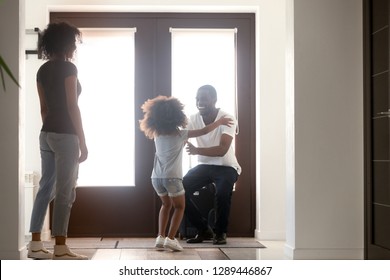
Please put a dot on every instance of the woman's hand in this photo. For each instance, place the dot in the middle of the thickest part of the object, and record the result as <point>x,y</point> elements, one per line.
<point>83,153</point>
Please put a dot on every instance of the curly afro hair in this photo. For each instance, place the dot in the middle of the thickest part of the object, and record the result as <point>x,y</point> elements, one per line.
<point>162,116</point>
<point>58,38</point>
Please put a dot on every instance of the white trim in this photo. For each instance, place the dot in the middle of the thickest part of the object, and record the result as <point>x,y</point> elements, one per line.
<point>323,253</point>
<point>173,29</point>
<point>270,235</point>
<point>130,29</point>
<point>155,8</point>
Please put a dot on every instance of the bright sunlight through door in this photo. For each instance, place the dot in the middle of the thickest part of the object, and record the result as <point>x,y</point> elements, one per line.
<point>200,57</point>
<point>105,61</point>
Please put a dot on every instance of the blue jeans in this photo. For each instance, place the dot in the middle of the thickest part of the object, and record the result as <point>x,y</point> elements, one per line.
<point>60,163</point>
<point>224,178</point>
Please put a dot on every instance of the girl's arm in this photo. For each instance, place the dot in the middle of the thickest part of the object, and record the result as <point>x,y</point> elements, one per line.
<point>199,132</point>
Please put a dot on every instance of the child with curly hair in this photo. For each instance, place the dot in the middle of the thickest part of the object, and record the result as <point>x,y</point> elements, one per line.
<point>165,122</point>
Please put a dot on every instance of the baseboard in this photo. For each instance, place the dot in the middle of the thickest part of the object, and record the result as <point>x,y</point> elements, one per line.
<point>14,255</point>
<point>270,235</point>
<point>323,253</point>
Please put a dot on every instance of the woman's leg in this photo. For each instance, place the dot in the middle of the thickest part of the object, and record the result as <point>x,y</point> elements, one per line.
<point>46,188</point>
<point>66,148</point>
<point>36,248</point>
<point>60,240</point>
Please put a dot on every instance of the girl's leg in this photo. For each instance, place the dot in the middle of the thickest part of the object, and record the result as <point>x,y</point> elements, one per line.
<point>178,206</point>
<point>163,217</point>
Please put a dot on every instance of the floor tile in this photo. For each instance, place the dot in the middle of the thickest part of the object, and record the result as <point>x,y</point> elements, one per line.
<point>143,249</point>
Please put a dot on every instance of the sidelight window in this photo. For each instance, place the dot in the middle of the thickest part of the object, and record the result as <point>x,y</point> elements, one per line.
<point>200,57</point>
<point>105,61</point>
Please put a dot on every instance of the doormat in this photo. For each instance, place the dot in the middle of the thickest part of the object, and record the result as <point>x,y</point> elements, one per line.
<point>148,243</point>
<point>232,242</point>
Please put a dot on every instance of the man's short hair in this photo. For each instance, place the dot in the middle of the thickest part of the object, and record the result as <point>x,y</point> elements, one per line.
<point>210,90</point>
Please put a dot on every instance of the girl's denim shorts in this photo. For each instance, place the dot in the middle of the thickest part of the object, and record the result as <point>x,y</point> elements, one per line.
<point>168,186</point>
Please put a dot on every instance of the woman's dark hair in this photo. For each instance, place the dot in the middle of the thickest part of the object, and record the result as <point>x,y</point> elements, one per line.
<point>58,38</point>
<point>162,116</point>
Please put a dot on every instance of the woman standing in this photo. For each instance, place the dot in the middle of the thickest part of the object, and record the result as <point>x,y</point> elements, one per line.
<point>62,141</point>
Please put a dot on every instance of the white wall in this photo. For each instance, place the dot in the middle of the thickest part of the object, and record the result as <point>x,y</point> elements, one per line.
<point>12,133</point>
<point>328,124</point>
<point>271,122</point>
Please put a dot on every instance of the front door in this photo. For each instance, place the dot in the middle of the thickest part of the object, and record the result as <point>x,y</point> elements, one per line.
<point>377,105</point>
<point>133,210</point>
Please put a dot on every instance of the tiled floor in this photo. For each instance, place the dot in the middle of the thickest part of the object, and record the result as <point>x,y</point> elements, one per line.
<point>142,249</point>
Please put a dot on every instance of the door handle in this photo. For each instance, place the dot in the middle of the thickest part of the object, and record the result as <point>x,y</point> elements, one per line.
<point>386,113</point>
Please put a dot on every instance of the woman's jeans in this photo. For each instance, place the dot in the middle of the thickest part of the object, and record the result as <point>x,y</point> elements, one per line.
<point>60,163</point>
<point>224,178</point>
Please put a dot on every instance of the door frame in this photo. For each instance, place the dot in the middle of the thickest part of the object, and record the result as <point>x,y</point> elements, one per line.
<point>251,182</point>
<point>371,250</point>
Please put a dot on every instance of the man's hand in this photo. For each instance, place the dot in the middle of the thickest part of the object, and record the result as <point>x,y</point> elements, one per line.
<point>191,149</point>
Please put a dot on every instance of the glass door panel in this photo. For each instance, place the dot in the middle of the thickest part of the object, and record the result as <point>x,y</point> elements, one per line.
<point>105,62</point>
<point>199,57</point>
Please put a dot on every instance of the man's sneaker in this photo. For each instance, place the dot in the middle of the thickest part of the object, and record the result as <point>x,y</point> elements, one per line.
<point>62,252</point>
<point>36,250</point>
<point>159,242</point>
<point>172,244</point>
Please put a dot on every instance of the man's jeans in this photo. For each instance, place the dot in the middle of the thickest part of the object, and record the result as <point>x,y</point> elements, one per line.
<point>224,178</point>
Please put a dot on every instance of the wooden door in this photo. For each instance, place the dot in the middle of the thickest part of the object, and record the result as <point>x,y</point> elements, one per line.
<point>133,211</point>
<point>377,120</point>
